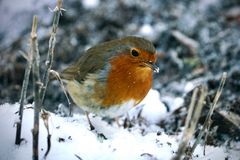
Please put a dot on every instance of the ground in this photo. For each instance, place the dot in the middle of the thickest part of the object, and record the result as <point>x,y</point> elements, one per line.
<point>71,139</point>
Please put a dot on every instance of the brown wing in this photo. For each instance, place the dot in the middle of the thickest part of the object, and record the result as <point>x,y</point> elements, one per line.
<point>93,60</point>
<point>89,62</point>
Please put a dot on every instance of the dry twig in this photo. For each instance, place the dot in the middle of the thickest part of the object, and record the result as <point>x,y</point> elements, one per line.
<point>187,41</point>
<point>36,85</point>
<point>208,121</point>
<point>231,117</point>
<point>22,98</point>
<point>52,42</point>
<point>45,117</point>
<point>56,74</point>
<point>194,112</point>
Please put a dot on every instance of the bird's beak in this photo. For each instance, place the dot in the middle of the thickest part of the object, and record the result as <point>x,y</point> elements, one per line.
<point>153,66</point>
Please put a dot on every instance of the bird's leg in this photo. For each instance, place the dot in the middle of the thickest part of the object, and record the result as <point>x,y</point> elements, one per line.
<point>127,122</point>
<point>100,136</point>
<point>89,122</point>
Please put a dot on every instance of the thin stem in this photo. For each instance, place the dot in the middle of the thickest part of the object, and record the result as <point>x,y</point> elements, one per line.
<point>51,46</point>
<point>36,86</point>
<point>22,99</point>
<point>56,74</point>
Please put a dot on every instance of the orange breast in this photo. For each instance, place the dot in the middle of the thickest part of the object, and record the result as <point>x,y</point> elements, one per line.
<point>126,81</point>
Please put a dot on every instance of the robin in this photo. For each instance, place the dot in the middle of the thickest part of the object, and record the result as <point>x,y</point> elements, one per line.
<point>112,77</point>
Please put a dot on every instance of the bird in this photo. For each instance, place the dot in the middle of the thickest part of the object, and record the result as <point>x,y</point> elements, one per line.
<point>112,77</point>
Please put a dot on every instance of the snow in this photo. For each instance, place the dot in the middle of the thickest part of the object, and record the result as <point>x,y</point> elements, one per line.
<point>154,107</point>
<point>90,4</point>
<point>152,32</point>
<point>146,30</point>
<point>71,137</point>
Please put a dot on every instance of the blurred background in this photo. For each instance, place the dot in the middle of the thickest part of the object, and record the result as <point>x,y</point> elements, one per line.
<point>197,40</point>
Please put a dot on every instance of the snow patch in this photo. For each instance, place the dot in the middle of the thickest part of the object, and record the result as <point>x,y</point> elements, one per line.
<point>71,138</point>
<point>90,4</point>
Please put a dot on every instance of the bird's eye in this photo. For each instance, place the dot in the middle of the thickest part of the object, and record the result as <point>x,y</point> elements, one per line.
<point>134,53</point>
